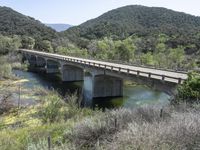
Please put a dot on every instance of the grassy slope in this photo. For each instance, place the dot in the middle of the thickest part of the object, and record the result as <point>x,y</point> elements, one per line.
<point>142,128</point>
<point>118,129</point>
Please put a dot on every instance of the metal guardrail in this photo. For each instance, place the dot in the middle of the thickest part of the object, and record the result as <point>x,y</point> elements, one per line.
<point>133,64</point>
<point>103,65</point>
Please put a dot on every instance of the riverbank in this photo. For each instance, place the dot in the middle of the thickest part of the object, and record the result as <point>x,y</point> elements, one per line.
<point>61,124</point>
<point>45,119</point>
<point>73,128</point>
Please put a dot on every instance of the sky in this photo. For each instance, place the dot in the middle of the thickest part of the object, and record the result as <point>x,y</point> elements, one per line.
<point>75,12</point>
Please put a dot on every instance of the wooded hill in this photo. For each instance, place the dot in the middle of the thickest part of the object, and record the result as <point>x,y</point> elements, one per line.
<point>14,23</point>
<point>136,34</point>
<point>140,20</point>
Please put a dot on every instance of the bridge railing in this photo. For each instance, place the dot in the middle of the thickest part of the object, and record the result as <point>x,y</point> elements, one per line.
<point>103,65</point>
<point>178,70</point>
<point>124,70</point>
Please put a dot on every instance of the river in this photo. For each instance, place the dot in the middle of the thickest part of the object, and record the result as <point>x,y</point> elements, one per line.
<point>134,95</point>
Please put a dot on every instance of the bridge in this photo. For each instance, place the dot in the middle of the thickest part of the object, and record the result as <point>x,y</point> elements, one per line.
<point>107,77</point>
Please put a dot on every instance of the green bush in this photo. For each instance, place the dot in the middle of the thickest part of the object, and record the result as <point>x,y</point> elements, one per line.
<point>52,108</point>
<point>8,44</point>
<point>5,71</point>
<point>189,91</point>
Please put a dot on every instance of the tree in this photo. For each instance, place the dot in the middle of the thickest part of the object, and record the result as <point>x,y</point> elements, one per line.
<point>92,47</point>
<point>46,46</point>
<point>147,59</point>
<point>125,50</point>
<point>189,91</point>
<point>28,42</point>
<point>8,44</point>
<point>17,42</point>
<point>176,57</point>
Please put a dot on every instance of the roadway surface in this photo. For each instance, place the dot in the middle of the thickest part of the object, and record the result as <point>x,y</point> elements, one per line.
<point>165,75</point>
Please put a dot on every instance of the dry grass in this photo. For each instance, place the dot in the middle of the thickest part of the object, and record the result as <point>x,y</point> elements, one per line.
<point>143,128</point>
<point>180,132</point>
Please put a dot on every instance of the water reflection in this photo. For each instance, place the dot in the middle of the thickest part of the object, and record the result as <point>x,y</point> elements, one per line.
<point>134,96</point>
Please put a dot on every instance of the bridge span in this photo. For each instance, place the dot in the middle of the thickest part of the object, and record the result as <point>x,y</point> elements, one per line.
<point>107,77</point>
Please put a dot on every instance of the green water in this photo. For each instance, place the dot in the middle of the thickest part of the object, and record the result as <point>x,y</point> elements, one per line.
<point>134,96</point>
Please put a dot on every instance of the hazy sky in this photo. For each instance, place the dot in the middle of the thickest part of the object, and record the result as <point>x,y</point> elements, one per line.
<point>78,11</point>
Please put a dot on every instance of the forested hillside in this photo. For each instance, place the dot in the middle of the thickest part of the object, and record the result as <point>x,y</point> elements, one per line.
<point>14,23</point>
<point>135,34</point>
<point>141,20</point>
<point>18,30</point>
<point>141,35</point>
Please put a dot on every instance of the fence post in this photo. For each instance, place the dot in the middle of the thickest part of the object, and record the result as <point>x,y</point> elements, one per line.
<point>179,81</point>
<point>138,72</point>
<point>49,143</point>
<point>115,123</point>
<point>19,100</point>
<point>149,75</point>
<point>111,68</point>
<point>119,69</point>
<point>163,77</point>
<point>161,112</point>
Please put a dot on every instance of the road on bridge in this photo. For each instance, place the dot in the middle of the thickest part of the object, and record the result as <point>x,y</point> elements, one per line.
<point>166,75</point>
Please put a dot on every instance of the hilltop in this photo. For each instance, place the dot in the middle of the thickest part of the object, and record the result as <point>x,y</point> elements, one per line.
<point>135,19</point>
<point>15,23</point>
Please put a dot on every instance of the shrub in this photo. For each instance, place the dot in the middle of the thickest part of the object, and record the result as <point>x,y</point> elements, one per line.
<point>5,105</point>
<point>5,71</point>
<point>102,127</point>
<point>51,111</point>
<point>180,132</point>
<point>189,91</point>
<point>5,68</point>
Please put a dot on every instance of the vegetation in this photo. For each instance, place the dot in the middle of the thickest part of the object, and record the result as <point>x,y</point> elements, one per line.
<point>47,115</point>
<point>138,35</point>
<point>14,23</point>
<point>5,68</point>
<point>142,35</point>
<point>40,119</point>
<point>142,128</point>
<point>67,126</point>
<point>23,29</point>
<point>140,20</point>
<point>189,92</point>
<point>9,44</point>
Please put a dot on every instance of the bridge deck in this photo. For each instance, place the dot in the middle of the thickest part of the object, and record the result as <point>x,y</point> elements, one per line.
<point>166,75</point>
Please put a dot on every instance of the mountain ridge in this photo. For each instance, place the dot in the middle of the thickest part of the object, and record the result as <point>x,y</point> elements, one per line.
<point>59,26</point>
<point>135,19</point>
<point>15,23</point>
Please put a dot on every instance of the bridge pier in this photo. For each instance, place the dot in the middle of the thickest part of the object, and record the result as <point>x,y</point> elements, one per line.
<point>107,86</point>
<point>107,78</point>
<point>52,66</point>
<point>166,87</point>
<point>32,59</point>
<point>71,73</point>
<point>41,62</point>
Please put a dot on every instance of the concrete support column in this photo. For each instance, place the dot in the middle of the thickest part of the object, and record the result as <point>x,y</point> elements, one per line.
<point>52,66</point>
<point>24,58</point>
<point>32,60</point>
<point>107,86</point>
<point>72,73</point>
<point>41,62</point>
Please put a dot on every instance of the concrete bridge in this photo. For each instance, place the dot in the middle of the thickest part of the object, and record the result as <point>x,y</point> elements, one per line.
<point>107,77</point>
